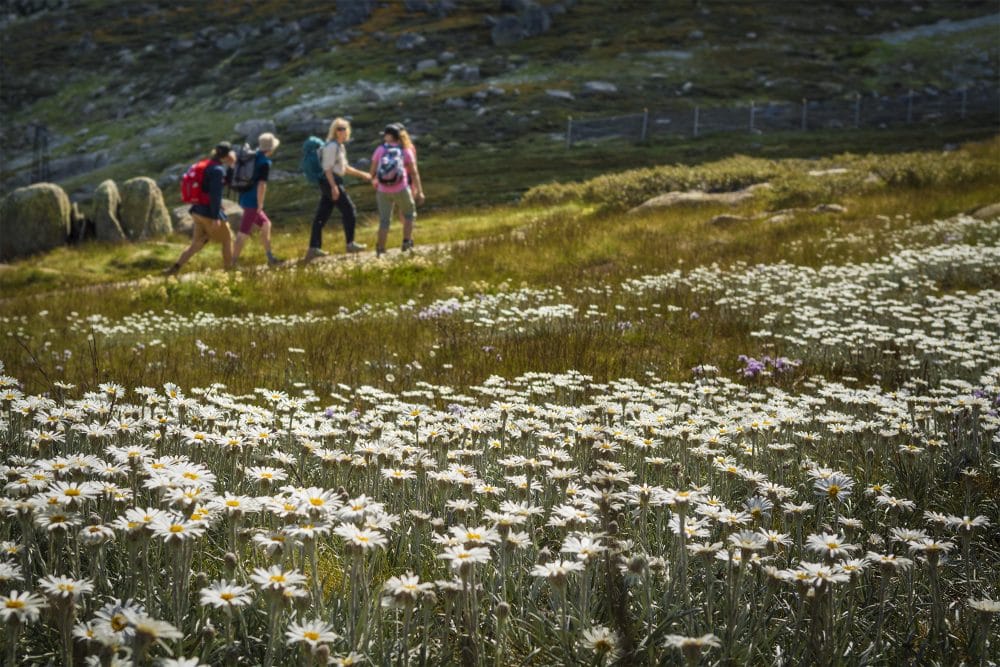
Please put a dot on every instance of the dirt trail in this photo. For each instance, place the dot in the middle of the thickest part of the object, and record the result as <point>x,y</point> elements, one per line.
<point>366,256</point>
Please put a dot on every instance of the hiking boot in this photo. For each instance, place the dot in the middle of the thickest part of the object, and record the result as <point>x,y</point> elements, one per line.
<point>274,261</point>
<point>356,247</point>
<point>407,244</point>
<point>313,253</point>
<point>379,251</point>
<point>171,270</point>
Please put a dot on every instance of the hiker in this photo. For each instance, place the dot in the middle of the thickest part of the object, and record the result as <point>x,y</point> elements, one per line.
<point>394,168</point>
<point>333,194</point>
<point>252,200</point>
<point>210,223</point>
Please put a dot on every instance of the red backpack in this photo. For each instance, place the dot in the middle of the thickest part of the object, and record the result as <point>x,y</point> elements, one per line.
<point>193,183</point>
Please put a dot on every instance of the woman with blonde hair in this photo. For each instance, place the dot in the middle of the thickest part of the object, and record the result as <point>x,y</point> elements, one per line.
<point>333,194</point>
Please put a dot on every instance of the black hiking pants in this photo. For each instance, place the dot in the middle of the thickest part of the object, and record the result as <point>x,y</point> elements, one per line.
<point>325,209</point>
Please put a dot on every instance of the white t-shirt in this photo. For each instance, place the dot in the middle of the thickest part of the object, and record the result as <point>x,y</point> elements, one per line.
<point>335,158</point>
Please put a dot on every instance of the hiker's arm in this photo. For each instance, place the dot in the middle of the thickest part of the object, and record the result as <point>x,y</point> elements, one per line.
<point>216,183</point>
<point>418,187</point>
<point>261,191</point>
<point>357,173</point>
<point>334,190</point>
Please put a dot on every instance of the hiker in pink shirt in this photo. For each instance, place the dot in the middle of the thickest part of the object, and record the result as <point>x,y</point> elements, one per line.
<point>394,168</point>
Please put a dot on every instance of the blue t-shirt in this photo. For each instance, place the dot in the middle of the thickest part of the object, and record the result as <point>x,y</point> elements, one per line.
<point>261,172</point>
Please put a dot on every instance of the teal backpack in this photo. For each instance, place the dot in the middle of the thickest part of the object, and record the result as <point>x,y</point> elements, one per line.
<point>312,165</point>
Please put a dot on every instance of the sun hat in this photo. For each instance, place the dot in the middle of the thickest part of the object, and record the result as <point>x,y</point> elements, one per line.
<point>268,142</point>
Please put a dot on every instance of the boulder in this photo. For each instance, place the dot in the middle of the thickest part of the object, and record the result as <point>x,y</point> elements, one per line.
<point>142,213</point>
<point>559,94</point>
<point>253,128</point>
<point>426,64</point>
<point>104,212</point>
<point>599,88</point>
<point>535,19</point>
<point>696,197</point>
<point>990,212</point>
<point>830,208</point>
<point>507,31</point>
<point>33,219</point>
<point>184,223</point>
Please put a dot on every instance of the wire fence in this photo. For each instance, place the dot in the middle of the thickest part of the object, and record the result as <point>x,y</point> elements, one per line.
<point>981,104</point>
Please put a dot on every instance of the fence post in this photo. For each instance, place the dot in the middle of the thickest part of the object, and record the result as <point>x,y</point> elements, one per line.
<point>965,101</point>
<point>753,113</point>
<point>857,110</point>
<point>909,107</point>
<point>805,114</point>
<point>569,132</point>
<point>696,120</point>
<point>645,124</point>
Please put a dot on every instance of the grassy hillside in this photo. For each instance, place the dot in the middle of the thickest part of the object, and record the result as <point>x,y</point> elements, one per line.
<point>150,86</point>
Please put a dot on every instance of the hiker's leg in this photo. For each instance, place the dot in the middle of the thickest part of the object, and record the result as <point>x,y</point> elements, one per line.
<point>408,211</point>
<point>190,252</point>
<point>265,235</point>
<point>250,216</point>
<point>241,240</point>
<point>199,237</point>
<point>384,203</point>
<point>323,211</point>
<point>349,215</point>
<point>224,236</point>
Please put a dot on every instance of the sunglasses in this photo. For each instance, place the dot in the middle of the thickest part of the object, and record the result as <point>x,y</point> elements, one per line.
<point>340,129</point>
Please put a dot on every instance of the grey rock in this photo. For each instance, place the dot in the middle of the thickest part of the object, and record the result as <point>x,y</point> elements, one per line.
<point>409,41</point>
<point>696,34</point>
<point>470,73</point>
<point>142,213</point>
<point>75,165</point>
<point>989,212</point>
<point>535,19</point>
<point>695,197</point>
<point>446,56</point>
<point>104,212</point>
<point>456,103</point>
<point>229,42</point>
<point>253,128</point>
<point>560,94</point>
<point>830,208</point>
<point>507,31</point>
<point>426,64</point>
<point>33,219</point>
<point>183,222</point>
<point>600,88</point>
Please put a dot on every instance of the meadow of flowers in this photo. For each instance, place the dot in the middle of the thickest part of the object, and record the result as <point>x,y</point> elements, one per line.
<point>832,500</point>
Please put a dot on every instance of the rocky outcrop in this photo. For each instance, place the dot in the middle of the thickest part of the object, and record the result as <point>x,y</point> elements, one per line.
<point>104,212</point>
<point>184,223</point>
<point>142,213</point>
<point>698,197</point>
<point>33,219</point>
<point>253,128</point>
